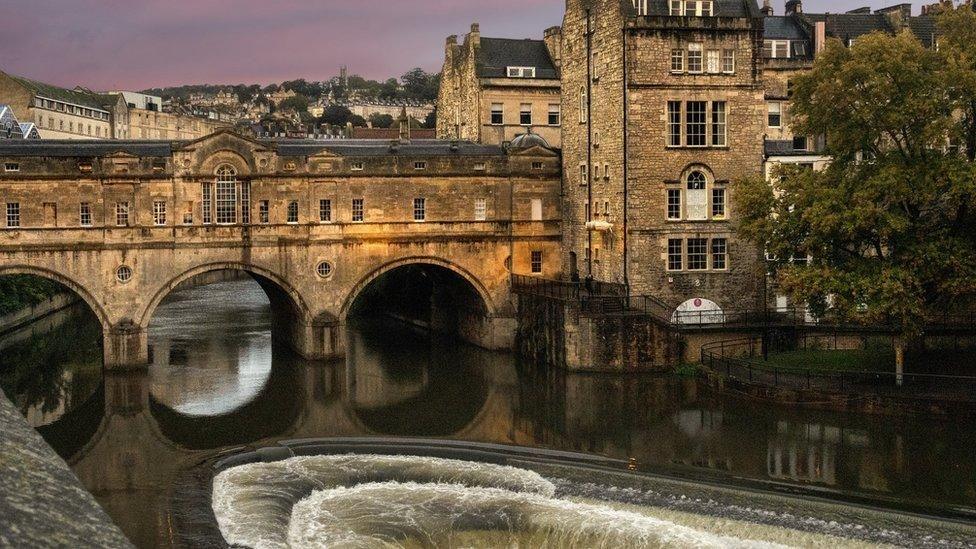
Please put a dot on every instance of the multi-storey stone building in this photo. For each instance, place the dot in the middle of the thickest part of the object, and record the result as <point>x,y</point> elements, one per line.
<point>59,113</point>
<point>664,110</point>
<point>493,89</point>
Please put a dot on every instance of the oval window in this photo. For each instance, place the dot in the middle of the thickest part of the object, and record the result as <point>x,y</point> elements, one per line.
<point>123,274</point>
<point>324,269</point>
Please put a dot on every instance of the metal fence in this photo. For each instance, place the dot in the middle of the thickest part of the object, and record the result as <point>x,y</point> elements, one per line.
<point>744,360</point>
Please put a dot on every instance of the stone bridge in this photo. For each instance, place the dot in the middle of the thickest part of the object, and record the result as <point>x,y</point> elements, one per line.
<point>325,227</point>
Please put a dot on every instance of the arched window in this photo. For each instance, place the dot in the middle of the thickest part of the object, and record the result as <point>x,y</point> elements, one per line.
<point>226,195</point>
<point>696,198</point>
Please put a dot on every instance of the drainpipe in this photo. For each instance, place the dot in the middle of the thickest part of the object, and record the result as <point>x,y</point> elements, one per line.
<point>626,155</point>
<point>589,144</point>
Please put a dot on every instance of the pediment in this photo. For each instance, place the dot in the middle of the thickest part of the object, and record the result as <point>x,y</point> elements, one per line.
<point>324,154</point>
<point>121,155</point>
<point>538,151</point>
<point>224,139</point>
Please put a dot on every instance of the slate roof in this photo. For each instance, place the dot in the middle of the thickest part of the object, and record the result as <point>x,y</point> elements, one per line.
<point>783,28</point>
<point>925,28</point>
<point>722,8</point>
<point>496,54</point>
<point>60,94</point>
<point>851,25</point>
<point>285,147</point>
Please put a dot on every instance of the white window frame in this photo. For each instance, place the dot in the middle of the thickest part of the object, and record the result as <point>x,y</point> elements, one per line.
<point>159,213</point>
<point>728,61</point>
<point>675,260</point>
<point>555,110</point>
<point>525,109</point>
<point>774,108</point>
<point>520,72</point>
<point>358,210</point>
<point>325,210</point>
<point>480,209</point>
<point>696,54</point>
<point>673,198</point>
<point>357,166</point>
<point>584,114</point>
<point>713,61</point>
<point>677,61</point>
<point>717,192</point>
<point>420,165</point>
<point>85,214</point>
<point>719,119</point>
<point>499,109</point>
<point>122,214</point>
<point>11,167</point>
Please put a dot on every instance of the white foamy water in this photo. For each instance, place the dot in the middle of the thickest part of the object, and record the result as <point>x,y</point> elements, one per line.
<point>394,514</point>
<point>253,503</point>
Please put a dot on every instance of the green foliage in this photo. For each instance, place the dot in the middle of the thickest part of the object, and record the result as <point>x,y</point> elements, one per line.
<point>687,370</point>
<point>380,120</point>
<point>20,291</point>
<point>299,104</point>
<point>431,120</point>
<point>890,221</point>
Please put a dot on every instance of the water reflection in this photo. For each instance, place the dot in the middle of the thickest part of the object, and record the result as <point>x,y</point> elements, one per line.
<point>211,347</point>
<point>217,382</point>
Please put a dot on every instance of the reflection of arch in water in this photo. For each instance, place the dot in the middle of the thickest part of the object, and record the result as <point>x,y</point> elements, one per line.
<point>275,411</point>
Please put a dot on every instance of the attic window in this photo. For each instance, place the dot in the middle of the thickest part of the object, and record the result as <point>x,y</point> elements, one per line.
<point>420,165</point>
<point>537,165</point>
<point>357,166</point>
<point>159,166</point>
<point>479,167</point>
<point>290,166</point>
<point>521,72</point>
<point>85,166</point>
<point>11,167</point>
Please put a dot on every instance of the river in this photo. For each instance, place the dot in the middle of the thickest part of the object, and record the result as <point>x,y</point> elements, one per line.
<point>218,383</point>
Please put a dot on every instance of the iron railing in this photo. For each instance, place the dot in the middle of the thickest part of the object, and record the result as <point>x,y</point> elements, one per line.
<point>743,360</point>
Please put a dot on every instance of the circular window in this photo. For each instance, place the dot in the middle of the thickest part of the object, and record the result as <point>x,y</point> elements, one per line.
<point>123,274</point>
<point>324,269</point>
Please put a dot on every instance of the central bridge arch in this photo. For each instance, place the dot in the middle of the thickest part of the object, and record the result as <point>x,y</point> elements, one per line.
<point>289,308</point>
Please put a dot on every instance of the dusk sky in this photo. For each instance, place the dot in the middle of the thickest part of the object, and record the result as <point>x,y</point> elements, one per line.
<point>116,44</point>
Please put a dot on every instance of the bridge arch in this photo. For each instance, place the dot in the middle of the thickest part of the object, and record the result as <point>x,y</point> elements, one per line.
<point>262,275</point>
<point>79,289</point>
<point>420,260</point>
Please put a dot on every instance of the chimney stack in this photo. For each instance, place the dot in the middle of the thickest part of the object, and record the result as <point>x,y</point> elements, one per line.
<point>767,9</point>
<point>474,38</point>
<point>553,37</point>
<point>794,7</point>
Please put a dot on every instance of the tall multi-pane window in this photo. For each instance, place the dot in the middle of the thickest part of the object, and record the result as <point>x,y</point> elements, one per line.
<point>695,58</point>
<point>677,60</point>
<point>226,195</point>
<point>674,123</point>
<point>584,175</point>
<point>674,204</point>
<point>525,114</point>
<point>697,254</point>
<point>719,124</point>
<point>697,196</point>
<point>536,262</point>
<point>325,211</point>
<point>675,255</point>
<point>159,212</point>
<point>357,210</point>
<point>555,114</point>
<point>207,203</point>
<point>677,7</point>
<point>641,6</point>
<point>246,202</point>
<point>583,106</point>
<point>480,209</point>
<point>718,202</point>
<point>695,117</point>
<point>13,214</point>
<point>719,254</point>
<point>728,61</point>
<point>293,212</point>
<point>122,214</point>
<point>497,114</point>
<point>264,212</point>
<point>85,214</point>
<point>419,209</point>
<point>713,59</point>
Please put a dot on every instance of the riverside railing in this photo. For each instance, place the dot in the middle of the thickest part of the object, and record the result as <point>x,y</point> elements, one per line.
<point>742,359</point>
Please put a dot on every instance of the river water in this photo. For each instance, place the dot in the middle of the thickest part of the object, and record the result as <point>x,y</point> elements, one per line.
<point>218,384</point>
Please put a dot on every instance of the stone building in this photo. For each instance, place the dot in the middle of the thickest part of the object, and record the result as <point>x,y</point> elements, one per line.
<point>493,89</point>
<point>664,109</point>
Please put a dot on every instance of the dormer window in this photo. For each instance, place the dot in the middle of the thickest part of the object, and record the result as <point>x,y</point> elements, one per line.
<point>776,49</point>
<point>692,8</point>
<point>521,72</point>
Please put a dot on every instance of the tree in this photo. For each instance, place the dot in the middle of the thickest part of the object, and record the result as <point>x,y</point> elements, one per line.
<point>420,85</point>
<point>889,223</point>
<point>335,115</point>
<point>358,121</point>
<point>378,120</point>
<point>431,120</point>
<point>298,103</point>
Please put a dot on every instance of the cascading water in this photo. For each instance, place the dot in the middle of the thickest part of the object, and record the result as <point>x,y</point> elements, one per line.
<point>399,501</point>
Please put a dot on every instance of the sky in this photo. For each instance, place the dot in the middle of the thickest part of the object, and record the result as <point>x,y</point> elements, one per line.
<point>139,44</point>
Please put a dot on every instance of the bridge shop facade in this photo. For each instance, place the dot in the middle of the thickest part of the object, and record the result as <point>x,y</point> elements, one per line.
<point>122,224</point>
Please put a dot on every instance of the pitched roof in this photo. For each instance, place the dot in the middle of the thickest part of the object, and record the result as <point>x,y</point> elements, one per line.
<point>85,99</point>
<point>925,28</point>
<point>284,147</point>
<point>848,26</point>
<point>783,27</point>
<point>496,54</point>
